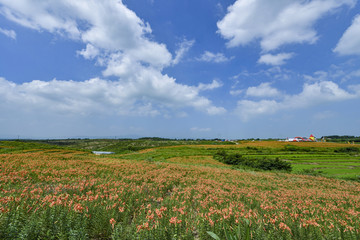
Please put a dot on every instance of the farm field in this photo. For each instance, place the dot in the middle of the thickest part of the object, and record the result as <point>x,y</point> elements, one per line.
<point>177,190</point>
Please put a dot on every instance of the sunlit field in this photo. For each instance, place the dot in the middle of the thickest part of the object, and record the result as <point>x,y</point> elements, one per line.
<point>178,192</point>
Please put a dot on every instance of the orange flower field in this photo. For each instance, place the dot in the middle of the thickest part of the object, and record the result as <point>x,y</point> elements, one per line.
<point>65,194</point>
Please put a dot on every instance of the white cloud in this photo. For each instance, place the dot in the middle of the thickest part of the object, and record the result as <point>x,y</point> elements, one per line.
<point>263,90</point>
<point>103,25</point>
<point>236,92</point>
<point>183,49</point>
<point>35,15</point>
<point>349,43</point>
<point>213,85</point>
<point>311,95</point>
<point>119,41</point>
<point>8,33</point>
<point>275,23</point>
<point>143,96</point>
<point>355,89</point>
<point>90,52</point>
<point>275,60</point>
<point>213,57</point>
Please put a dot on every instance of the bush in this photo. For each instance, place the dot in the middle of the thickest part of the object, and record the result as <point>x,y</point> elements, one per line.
<point>220,155</point>
<point>268,164</point>
<point>231,159</point>
<point>263,164</point>
<point>234,159</point>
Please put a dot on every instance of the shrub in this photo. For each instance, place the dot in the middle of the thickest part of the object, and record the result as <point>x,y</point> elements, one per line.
<point>263,164</point>
<point>276,164</point>
<point>220,155</point>
<point>231,159</point>
<point>234,159</point>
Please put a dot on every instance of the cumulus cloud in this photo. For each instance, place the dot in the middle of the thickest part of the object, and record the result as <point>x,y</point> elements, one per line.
<point>120,42</point>
<point>90,52</point>
<point>349,43</point>
<point>263,90</point>
<point>275,60</point>
<point>106,27</point>
<point>213,57</point>
<point>8,33</point>
<point>143,96</point>
<point>275,23</point>
<point>311,95</point>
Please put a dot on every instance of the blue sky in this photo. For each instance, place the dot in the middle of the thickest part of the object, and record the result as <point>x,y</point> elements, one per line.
<point>179,69</point>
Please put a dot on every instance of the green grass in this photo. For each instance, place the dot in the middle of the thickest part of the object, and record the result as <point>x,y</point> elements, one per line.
<point>126,145</point>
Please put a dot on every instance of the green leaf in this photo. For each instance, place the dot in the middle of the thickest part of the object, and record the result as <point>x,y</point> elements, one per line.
<point>213,235</point>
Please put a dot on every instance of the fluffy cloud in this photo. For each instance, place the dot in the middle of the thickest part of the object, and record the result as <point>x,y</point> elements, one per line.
<point>8,33</point>
<point>90,52</point>
<point>275,23</point>
<point>275,60</point>
<point>311,95</point>
<point>102,25</point>
<point>213,57</point>
<point>119,41</point>
<point>349,43</point>
<point>143,96</point>
<point>263,90</point>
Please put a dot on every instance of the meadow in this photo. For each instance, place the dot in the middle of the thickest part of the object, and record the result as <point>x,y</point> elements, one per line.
<point>160,189</point>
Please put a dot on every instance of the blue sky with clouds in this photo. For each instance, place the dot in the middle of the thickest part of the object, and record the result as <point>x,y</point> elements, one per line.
<point>179,69</point>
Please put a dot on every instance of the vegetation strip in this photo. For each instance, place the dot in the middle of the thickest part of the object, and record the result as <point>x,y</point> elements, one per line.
<point>165,194</point>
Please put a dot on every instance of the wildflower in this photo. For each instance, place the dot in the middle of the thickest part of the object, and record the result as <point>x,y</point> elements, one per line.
<point>78,208</point>
<point>211,222</point>
<point>158,213</point>
<point>175,221</point>
<point>150,217</point>
<point>146,225</point>
<point>112,222</point>
<point>284,227</point>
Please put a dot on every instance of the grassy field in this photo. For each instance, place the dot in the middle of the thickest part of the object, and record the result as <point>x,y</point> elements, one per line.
<point>167,189</point>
